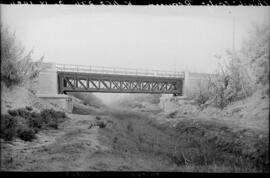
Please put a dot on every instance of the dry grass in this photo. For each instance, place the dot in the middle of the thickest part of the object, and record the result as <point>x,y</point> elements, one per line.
<point>192,145</point>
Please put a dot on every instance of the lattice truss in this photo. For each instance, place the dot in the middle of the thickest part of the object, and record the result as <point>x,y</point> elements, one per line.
<point>78,83</point>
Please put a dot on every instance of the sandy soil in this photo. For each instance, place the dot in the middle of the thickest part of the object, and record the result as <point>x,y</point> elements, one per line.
<point>19,97</point>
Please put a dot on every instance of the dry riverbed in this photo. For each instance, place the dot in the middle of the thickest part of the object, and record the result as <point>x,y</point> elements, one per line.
<point>131,140</point>
<point>74,147</point>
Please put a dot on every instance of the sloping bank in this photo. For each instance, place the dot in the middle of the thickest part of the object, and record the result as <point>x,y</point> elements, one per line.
<point>190,144</point>
<point>193,143</point>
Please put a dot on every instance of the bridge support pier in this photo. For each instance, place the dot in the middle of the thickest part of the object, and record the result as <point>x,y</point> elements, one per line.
<point>46,87</point>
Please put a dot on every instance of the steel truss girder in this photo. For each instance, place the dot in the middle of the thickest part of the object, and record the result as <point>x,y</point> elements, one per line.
<point>82,82</point>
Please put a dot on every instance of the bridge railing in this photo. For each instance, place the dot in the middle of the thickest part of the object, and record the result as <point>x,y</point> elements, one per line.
<point>119,71</point>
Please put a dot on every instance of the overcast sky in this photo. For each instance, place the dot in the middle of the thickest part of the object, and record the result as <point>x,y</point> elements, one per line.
<point>151,37</point>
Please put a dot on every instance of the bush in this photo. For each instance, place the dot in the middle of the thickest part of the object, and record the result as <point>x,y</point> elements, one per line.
<point>9,74</point>
<point>30,123</point>
<point>202,97</point>
<point>16,66</point>
<point>245,69</point>
<point>22,112</point>
<point>8,121</point>
<point>35,121</point>
<point>8,134</point>
<point>53,123</point>
<point>51,117</point>
<point>50,113</point>
<point>13,112</point>
<point>8,125</point>
<point>240,72</point>
<point>26,134</point>
<point>28,108</point>
<point>101,124</point>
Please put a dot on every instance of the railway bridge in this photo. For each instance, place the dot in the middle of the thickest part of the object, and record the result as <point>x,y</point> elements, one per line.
<point>76,78</point>
<point>57,79</point>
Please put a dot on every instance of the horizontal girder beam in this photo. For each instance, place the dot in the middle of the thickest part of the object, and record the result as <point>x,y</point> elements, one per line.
<point>80,82</point>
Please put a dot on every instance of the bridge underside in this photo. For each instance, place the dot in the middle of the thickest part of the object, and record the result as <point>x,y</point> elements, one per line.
<point>86,82</point>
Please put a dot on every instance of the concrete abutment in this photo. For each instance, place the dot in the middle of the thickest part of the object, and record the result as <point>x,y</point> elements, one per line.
<point>47,88</point>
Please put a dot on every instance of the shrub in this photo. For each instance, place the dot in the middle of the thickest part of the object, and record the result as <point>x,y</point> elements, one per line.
<point>22,112</point>
<point>35,121</point>
<point>9,75</point>
<point>13,112</point>
<point>202,98</point>
<point>59,114</point>
<point>8,125</point>
<point>98,118</point>
<point>30,123</point>
<point>8,121</point>
<point>50,113</point>
<point>28,108</point>
<point>202,93</point>
<point>16,66</point>
<point>240,72</point>
<point>53,123</point>
<point>8,134</point>
<point>35,115</point>
<point>51,117</point>
<point>26,134</point>
<point>91,125</point>
<point>101,124</point>
<point>244,69</point>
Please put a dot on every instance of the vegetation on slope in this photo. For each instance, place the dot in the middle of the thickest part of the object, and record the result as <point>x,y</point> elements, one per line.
<point>18,69</point>
<point>242,72</point>
<point>191,145</point>
<point>17,66</point>
<point>24,123</point>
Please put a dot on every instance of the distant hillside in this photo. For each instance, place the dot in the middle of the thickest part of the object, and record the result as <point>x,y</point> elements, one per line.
<point>138,100</point>
<point>87,99</point>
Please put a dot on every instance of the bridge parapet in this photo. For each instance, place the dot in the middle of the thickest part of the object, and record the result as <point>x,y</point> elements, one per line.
<point>118,71</point>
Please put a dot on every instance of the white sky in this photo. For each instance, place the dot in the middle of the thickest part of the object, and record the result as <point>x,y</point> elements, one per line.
<point>151,37</point>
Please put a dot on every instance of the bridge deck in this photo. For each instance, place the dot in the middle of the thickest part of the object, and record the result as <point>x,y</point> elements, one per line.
<point>117,71</point>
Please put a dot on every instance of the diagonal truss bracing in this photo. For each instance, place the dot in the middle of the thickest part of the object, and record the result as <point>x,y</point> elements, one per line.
<point>84,82</point>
